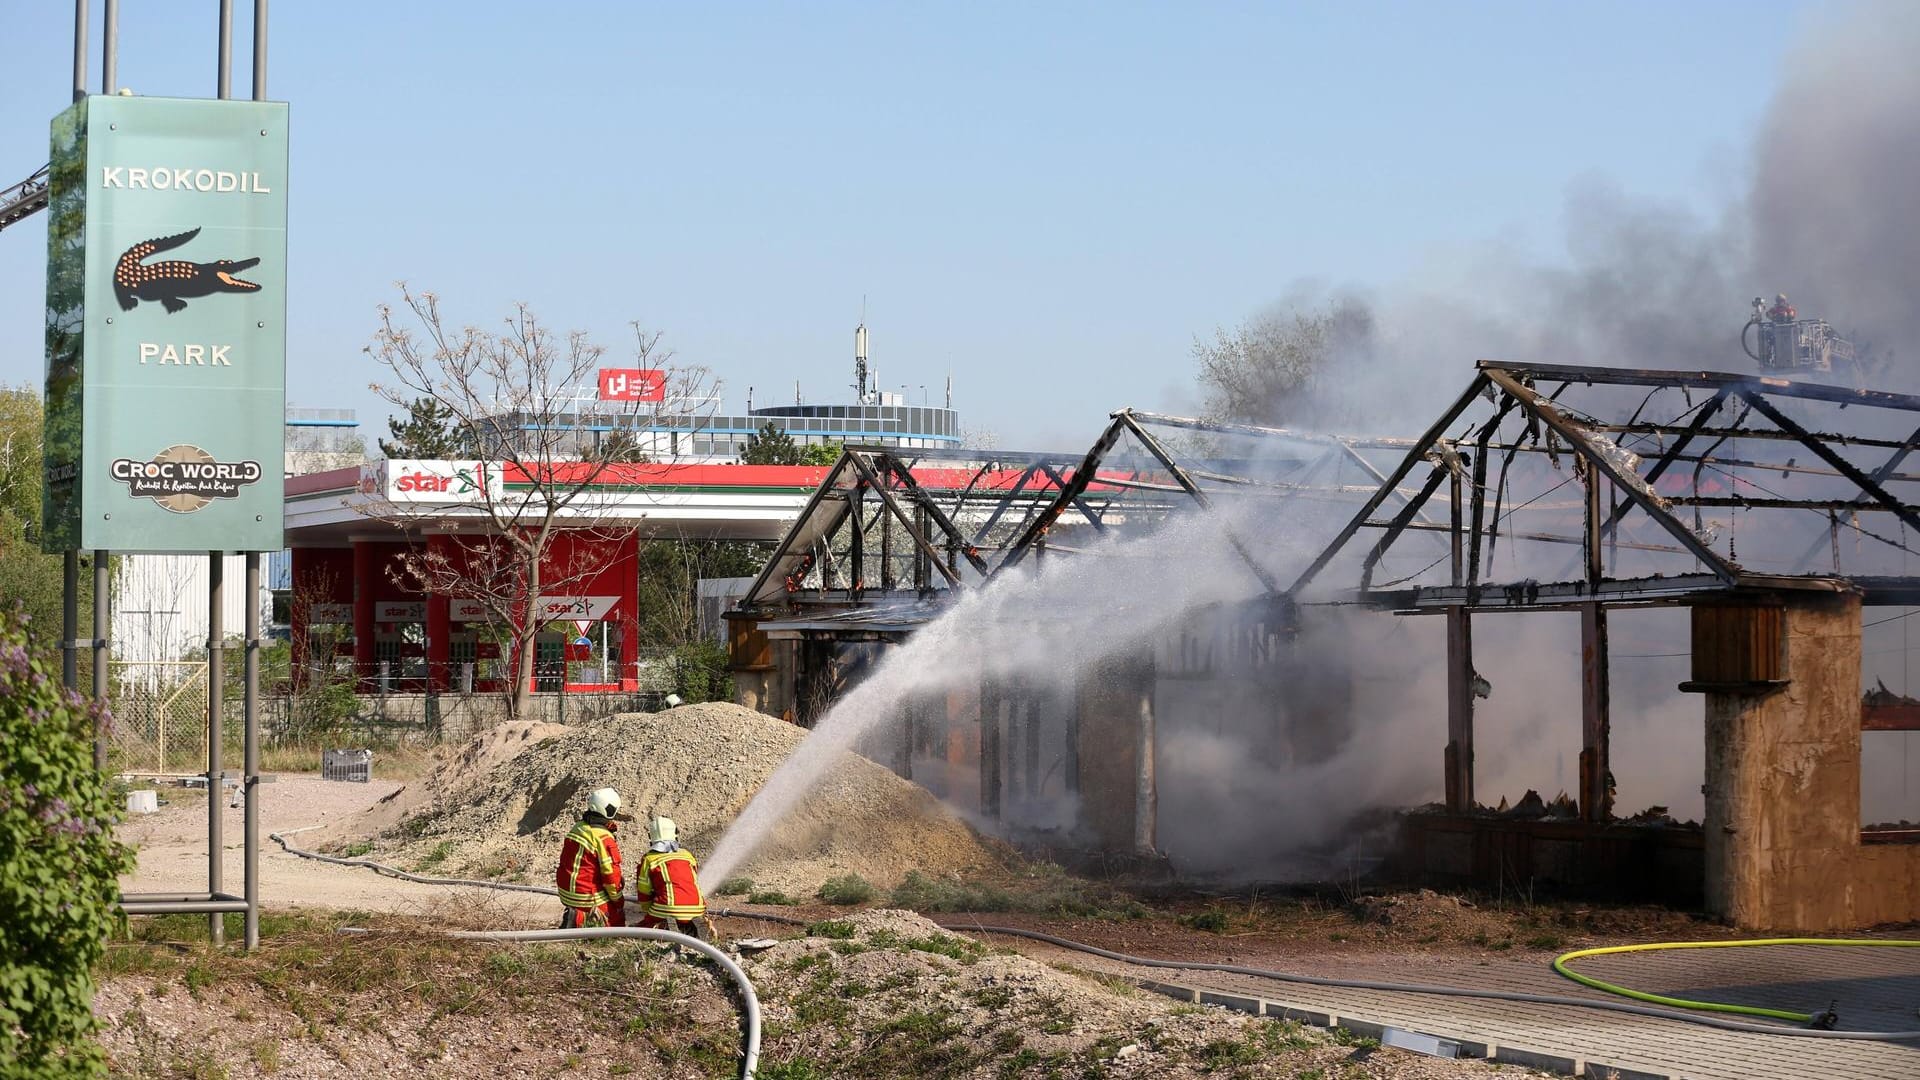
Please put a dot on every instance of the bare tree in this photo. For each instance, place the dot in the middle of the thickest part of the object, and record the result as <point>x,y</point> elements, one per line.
<point>518,391</point>
<point>1269,369</point>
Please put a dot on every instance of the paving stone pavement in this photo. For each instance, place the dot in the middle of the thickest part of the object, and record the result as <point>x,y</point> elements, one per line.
<point>1874,989</point>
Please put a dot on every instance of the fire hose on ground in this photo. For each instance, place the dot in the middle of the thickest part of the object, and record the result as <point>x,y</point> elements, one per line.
<point>749,1001</point>
<point>1662,1013</point>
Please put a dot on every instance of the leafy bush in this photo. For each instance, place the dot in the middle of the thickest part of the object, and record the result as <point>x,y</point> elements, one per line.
<point>59,868</point>
<point>735,886</point>
<point>700,672</point>
<point>846,890</point>
<point>772,898</point>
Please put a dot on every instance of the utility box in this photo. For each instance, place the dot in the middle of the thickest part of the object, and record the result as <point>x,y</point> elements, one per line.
<point>353,766</point>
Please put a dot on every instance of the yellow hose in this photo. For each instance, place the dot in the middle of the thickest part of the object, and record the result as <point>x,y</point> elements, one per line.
<point>1560,965</point>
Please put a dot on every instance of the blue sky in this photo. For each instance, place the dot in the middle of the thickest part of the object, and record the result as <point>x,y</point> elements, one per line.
<point>1050,199</point>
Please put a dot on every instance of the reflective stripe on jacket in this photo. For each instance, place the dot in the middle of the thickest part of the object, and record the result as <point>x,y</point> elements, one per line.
<point>589,873</point>
<point>667,886</point>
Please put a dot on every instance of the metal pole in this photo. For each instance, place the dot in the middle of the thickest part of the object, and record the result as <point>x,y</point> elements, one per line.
<point>259,50</point>
<point>250,755</point>
<point>216,599</point>
<point>102,616</point>
<point>70,620</point>
<point>225,78</point>
<point>110,47</point>
<point>79,49</point>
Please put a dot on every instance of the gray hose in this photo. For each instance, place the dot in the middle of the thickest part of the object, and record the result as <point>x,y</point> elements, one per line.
<point>396,872</point>
<point>749,1001</point>
<point>1263,973</point>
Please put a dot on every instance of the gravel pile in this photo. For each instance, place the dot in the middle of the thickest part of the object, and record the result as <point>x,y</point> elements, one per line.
<point>500,810</point>
<point>889,993</point>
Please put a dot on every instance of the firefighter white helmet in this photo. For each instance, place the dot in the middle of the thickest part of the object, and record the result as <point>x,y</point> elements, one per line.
<point>604,801</point>
<point>662,830</point>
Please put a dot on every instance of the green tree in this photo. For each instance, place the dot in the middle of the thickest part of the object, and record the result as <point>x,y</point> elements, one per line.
<point>430,432</point>
<point>622,446</point>
<point>28,575</point>
<point>822,454</point>
<point>770,446</point>
<point>59,868</point>
<point>669,580</point>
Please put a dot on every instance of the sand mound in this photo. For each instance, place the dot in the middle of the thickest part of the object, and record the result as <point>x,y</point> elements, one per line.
<point>488,750</point>
<point>698,764</point>
<point>456,773</point>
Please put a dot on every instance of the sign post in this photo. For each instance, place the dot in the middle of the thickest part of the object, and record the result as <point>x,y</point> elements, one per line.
<point>166,375</point>
<point>166,326</point>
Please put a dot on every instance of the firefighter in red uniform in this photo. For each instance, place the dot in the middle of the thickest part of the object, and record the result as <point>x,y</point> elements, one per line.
<point>1781,311</point>
<point>589,875</point>
<point>667,885</point>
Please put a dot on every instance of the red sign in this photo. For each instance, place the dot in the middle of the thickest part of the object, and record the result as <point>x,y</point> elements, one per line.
<point>633,384</point>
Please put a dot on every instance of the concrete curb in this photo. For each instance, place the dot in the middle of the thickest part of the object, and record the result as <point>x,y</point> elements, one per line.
<point>1545,1061</point>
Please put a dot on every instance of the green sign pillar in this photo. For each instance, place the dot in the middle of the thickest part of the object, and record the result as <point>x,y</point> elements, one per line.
<point>166,326</point>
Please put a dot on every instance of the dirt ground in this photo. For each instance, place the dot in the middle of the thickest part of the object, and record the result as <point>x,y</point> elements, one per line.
<point>313,1003</point>
<point>875,994</point>
<point>173,855</point>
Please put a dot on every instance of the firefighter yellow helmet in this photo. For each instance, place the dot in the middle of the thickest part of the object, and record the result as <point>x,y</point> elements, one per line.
<point>604,801</point>
<point>662,830</point>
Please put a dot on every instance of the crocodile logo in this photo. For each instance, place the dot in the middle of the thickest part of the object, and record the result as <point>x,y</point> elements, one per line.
<point>173,282</point>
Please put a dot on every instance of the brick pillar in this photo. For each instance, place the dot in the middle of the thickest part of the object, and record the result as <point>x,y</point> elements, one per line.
<point>366,580</point>
<point>1782,830</point>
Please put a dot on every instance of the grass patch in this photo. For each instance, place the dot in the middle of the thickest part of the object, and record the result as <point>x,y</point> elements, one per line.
<point>992,997</point>
<point>772,898</point>
<point>436,856</point>
<point>1546,941</point>
<point>965,950</point>
<point>1229,1053</point>
<point>1344,1037</point>
<point>846,890</point>
<point>1047,890</point>
<point>798,1068</point>
<point>357,849</point>
<point>1213,922</point>
<point>735,886</point>
<point>919,1042</point>
<point>831,928</point>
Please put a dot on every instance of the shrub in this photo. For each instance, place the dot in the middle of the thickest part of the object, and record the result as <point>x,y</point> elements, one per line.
<point>59,868</point>
<point>772,898</point>
<point>846,890</point>
<point>700,672</point>
<point>1213,922</point>
<point>735,886</point>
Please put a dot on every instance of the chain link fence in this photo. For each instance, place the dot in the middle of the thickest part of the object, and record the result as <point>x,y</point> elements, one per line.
<point>160,710</point>
<point>160,715</point>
